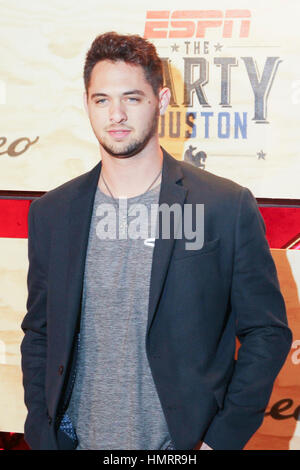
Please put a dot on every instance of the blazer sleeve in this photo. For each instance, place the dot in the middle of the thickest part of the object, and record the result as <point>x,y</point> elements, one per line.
<point>261,327</point>
<point>34,343</point>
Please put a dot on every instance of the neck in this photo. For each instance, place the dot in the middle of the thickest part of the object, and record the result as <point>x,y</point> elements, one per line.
<point>129,177</point>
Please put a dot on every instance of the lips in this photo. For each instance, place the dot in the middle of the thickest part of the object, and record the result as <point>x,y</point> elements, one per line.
<point>119,133</point>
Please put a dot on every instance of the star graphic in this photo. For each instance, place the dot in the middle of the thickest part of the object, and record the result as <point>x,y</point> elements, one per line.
<point>175,47</point>
<point>218,47</point>
<point>261,154</point>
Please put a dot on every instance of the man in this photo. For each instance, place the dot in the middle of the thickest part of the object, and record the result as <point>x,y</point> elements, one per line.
<point>130,341</point>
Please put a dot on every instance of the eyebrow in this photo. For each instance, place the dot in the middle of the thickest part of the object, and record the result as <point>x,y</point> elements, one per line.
<point>131,92</point>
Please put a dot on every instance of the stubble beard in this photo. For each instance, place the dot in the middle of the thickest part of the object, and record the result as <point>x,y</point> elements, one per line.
<point>136,146</point>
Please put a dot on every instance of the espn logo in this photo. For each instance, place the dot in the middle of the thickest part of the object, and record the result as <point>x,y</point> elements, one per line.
<point>194,23</point>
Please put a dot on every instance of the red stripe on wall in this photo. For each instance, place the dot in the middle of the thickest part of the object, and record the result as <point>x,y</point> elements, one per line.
<point>282,223</point>
<point>13,218</point>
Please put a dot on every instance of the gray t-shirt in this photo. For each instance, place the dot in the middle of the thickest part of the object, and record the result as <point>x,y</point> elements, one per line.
<point>114,403</point>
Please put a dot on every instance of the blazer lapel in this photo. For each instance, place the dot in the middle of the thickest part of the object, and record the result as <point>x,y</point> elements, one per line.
<point>171,193</point>
<point>80,214</point>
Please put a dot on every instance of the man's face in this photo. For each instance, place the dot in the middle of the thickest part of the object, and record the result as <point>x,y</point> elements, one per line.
<point>122,108</point>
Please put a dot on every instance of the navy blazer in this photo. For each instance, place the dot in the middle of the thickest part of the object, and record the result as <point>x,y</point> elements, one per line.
<point>200,300</point>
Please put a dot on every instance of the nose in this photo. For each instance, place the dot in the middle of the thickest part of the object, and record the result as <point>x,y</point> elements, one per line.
<point>117,112</point>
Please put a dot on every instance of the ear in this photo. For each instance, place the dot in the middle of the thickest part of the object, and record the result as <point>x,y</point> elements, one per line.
<point>164,100</point>
<point>85,99</point>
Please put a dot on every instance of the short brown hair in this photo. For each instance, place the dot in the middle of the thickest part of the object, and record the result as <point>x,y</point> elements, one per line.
<point>129,48</point>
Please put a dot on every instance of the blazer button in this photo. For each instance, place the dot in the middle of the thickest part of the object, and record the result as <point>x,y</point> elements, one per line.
<point>49,419</point>
<point>60,370</point>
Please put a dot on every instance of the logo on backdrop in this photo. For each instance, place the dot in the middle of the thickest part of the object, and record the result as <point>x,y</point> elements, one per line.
<point>186,36</point>
<point>195,23</point>
<point>197,159</point>
<point>18,146</point>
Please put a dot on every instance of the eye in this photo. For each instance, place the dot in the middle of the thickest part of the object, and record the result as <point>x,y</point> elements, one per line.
<point>101,101</point>
<point>132,99</point>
